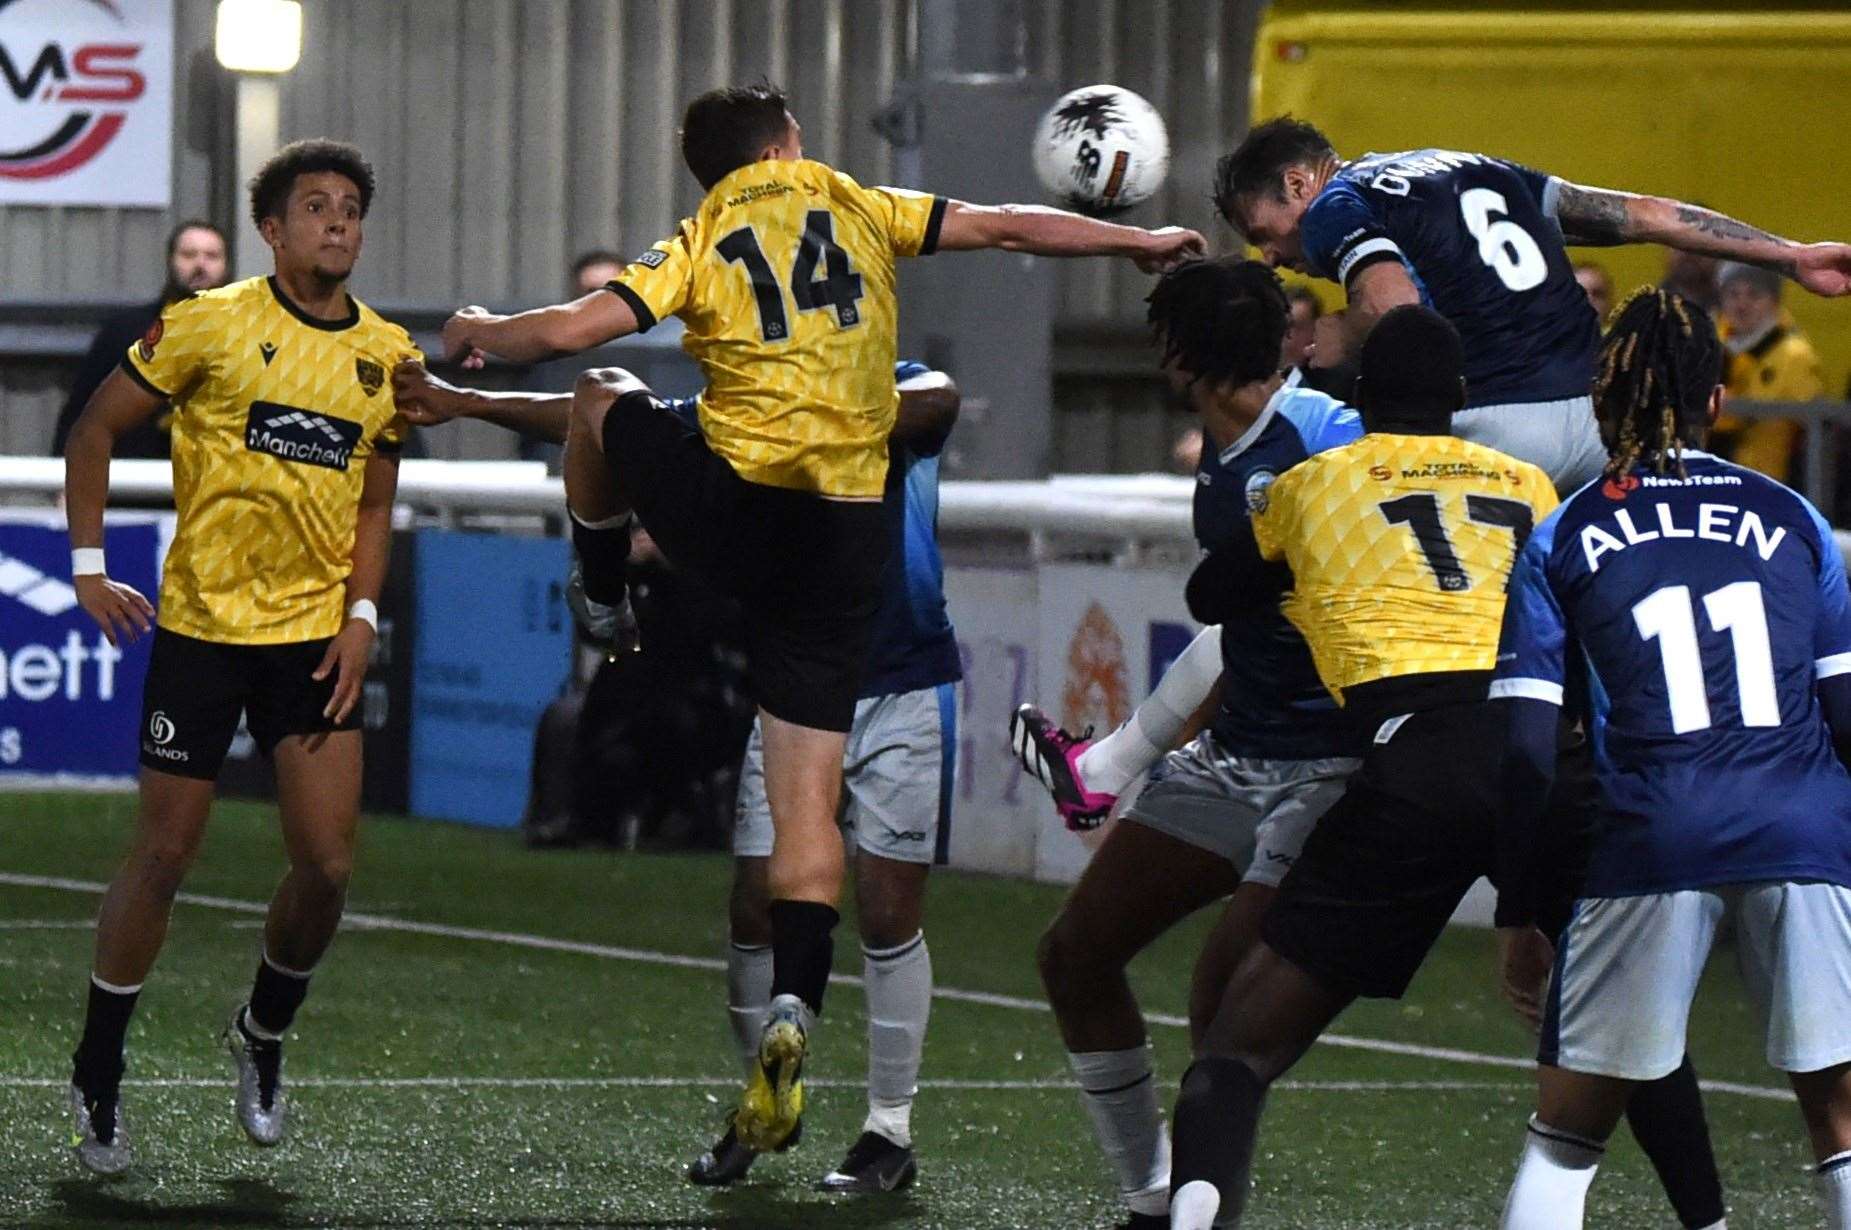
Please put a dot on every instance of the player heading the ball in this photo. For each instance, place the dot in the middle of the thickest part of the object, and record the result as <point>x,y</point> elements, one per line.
<point>785,277</point>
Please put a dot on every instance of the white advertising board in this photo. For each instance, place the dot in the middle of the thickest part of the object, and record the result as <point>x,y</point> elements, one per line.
<point>86,102</point>
<point>995,807</point>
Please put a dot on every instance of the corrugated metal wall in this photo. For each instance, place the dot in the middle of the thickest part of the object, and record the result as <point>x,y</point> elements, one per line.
<point>510,134</point>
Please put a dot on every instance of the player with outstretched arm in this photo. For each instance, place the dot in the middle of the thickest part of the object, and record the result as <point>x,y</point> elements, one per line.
<point>897,774</point>
<point>1483,241</point>
<point>785,279</point>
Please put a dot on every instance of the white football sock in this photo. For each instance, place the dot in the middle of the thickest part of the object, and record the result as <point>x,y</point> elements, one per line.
<point>748,996</point>
<point>1553,1175</point>
<point>1833,1179</point>
<point>1111,764</point>
<point>898,982</point>
<point>1121,1097</point>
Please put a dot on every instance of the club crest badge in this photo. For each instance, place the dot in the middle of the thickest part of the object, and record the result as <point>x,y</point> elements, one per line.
<point>1259,486</point>
<point>370,374</point>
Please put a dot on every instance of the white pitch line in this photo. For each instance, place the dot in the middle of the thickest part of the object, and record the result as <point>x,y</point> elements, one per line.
<point>646,956</point>
<point>46,924</point>
<point>717,1082</point>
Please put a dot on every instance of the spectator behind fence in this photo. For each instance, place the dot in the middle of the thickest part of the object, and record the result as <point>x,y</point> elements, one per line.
<point>1692,275</point>
<point>592,270</point>
<point>1769,359</point>
<point>1598,284</point>
<point>195,262</point>
<point>1305,309</point>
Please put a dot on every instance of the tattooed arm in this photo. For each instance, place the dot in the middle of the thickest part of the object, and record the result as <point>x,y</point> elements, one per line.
<point>1601,217</point>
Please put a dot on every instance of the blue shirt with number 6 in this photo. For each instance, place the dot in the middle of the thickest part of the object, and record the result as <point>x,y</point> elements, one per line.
<point>1479,238</point>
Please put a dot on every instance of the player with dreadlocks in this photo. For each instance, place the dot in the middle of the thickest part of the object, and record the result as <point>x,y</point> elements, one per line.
<point>1228,811</point>
<point>1696,613</point>
<point>1657,369</point>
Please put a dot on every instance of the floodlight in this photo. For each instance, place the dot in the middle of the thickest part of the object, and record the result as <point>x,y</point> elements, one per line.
<point>259,36</point>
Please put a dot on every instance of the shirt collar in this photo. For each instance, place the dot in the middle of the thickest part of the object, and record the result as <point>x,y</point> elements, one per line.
<point>1247,437</point>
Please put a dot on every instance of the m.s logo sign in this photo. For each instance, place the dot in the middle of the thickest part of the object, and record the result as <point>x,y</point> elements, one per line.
<point>86,89</point>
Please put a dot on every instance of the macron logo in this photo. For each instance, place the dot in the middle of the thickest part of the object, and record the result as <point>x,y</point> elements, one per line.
<point>49,596</point>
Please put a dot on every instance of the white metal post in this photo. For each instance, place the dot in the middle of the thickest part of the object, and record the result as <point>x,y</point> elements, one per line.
<point>260,123</point>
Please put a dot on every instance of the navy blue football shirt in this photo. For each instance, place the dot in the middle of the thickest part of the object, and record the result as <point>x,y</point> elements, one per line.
<point>1703,609</point>
<point>1273,705</point>
<point>1478,236</point>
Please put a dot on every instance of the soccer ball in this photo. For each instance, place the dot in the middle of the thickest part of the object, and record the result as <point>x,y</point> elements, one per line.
<point>1101,149</point>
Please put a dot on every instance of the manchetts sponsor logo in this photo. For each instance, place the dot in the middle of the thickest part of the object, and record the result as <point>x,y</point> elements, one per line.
<point>299,435</point>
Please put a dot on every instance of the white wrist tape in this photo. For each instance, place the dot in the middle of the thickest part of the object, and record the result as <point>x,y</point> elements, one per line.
<point>364,609</point>
<point>87,561</point>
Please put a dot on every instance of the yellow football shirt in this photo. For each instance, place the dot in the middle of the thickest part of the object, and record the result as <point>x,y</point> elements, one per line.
<point>1401,549</point>
<point>784,278</point>
<point>275,414</point>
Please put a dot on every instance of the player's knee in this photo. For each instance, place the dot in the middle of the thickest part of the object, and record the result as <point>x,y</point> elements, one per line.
<point>1066,961</point>
<point>160,863</point>
<point>605,385</point>
<point>325,875</point>
<point>886,923</point>
<point>1204,1001</point>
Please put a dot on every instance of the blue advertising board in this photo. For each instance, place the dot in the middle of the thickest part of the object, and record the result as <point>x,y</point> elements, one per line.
<point>70,702</point>
<point>493,647</point>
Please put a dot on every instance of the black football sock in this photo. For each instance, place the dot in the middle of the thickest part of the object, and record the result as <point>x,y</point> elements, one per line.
<point>802,950</point>
<point>275,996</point>
<point>1217,1121</point>
<point>1666,1117</point>
<point>96,1066</point>
<point>603,554</point>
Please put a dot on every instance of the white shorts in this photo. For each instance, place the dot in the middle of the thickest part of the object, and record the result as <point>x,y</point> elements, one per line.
<point>1560,438</point>
<point>896,779</point>
<point>1628,968</point>
<point>1254,813</point>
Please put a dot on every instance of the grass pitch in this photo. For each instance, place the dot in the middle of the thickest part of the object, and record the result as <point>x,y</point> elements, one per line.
<point>510,1038</point>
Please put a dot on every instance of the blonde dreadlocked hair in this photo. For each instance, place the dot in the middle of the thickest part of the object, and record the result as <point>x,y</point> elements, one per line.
<point>1657,365</point>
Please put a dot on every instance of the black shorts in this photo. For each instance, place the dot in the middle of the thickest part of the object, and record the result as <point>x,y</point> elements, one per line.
<point>197,689</point>
<point>805,570</point>
<point>1386,867</point>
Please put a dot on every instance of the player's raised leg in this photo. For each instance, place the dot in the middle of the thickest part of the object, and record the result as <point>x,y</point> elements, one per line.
<point>130,929</point>
<point>1085,775</point>
<point>318,791</point>
<point>599,511</point>
<point>1139,884</point>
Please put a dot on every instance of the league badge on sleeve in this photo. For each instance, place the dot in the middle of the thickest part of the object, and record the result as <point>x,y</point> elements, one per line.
<point>149,340</point>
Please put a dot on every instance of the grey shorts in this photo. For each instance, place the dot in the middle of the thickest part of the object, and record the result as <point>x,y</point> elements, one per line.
<point>1254,813</point>
<point>1560,438</point>
<point>1628,968</point>
<point>896,779</point>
